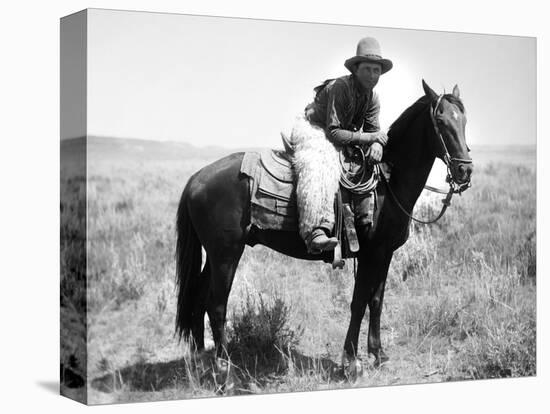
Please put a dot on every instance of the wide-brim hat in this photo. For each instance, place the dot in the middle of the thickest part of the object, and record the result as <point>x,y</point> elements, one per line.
<point>368,50</point>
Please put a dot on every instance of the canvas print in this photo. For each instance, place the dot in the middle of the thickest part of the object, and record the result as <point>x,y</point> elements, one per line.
<point>256,206</point>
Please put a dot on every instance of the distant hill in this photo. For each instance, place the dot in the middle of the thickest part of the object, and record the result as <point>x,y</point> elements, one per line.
<point>106,148</point>
<point>145,150</point>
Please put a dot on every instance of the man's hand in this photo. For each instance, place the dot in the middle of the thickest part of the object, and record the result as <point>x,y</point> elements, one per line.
<point>374,153</point>
<point>381,137</point>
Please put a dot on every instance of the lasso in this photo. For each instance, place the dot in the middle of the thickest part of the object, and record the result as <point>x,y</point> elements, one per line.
<point>348,178</point>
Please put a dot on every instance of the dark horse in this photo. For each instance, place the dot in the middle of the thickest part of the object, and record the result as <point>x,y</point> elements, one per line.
<point>214,212</point>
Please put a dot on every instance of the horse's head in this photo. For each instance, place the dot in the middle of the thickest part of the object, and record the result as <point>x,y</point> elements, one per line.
<point>449,121</point>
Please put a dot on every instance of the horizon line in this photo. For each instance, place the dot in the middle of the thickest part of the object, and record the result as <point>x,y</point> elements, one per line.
<point>169,141</point>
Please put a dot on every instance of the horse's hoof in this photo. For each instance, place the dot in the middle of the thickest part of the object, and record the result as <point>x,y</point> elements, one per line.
<point>352,367</point>
<point>378,358</point>
<point>226,388</point>
<point>223,377</point>
<point>354,371</point>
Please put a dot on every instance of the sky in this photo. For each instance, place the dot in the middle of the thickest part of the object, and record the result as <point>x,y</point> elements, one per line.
<point>239,82</point>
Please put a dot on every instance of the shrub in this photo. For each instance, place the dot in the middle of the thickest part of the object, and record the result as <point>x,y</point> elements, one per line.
<point>260,334</point>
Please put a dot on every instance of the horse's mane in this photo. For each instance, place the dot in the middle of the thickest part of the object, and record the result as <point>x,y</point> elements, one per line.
<point>399,127</point>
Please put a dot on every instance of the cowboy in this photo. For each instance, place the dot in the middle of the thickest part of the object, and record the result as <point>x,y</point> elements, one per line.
<point>344,112</point>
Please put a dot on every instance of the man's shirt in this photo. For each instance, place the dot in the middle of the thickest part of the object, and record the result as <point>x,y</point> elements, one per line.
<point>344,104</point>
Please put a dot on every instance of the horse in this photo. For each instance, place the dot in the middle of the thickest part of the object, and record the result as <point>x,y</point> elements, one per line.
<point>214,212</point>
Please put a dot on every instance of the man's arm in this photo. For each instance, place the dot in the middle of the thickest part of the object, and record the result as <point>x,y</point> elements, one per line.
<point>338,99</point>
<point>343,137</point>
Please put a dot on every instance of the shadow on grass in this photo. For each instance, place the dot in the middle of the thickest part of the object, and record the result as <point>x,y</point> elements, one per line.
<point>322,365</point>
<point>251,374</point>
<point>263,371</point>
<point>143,376</point>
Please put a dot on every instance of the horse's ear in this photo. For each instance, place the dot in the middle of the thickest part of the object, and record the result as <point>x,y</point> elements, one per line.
<point>429,91</point>
<point>456,92</point>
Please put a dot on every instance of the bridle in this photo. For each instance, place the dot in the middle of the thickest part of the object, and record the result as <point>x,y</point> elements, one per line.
<point>447,158</point>
<point>454,187</point>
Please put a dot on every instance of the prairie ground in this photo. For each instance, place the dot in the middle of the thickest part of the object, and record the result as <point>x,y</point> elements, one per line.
<point>460,298</point>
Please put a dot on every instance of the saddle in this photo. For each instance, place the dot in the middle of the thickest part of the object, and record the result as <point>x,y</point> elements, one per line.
<point>272,190</point>
<point>274,206</point>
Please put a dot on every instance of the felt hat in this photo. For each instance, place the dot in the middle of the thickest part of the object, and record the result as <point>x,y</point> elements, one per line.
<point>368,50</point>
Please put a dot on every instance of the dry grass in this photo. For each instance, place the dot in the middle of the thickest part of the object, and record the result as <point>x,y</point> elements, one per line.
<point>460,300</point>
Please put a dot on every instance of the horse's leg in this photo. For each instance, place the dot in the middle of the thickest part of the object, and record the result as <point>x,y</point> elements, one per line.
<point>222,272</point>
<point>372,268</point>
<point>358,307</point>
<point>218,202</point>
<point>375,311</point>
<point>350,363</point>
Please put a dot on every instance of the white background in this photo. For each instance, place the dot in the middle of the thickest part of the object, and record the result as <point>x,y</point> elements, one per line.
<point>29,207</point>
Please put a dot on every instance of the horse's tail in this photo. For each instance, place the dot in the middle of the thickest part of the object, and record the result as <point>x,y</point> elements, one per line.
<point>188,267</point>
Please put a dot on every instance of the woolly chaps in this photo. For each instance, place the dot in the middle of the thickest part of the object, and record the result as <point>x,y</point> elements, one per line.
<point>317,169</point>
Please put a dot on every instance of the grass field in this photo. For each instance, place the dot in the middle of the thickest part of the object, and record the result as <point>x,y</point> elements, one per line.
<point>460,299</point>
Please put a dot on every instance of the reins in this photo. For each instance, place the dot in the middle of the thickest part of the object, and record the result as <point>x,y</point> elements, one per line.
<point>446,202</point>
<point>454,187</point>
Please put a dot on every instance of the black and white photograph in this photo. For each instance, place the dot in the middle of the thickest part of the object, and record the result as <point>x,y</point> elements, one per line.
<point>288,206</point>
<point>278,206</point>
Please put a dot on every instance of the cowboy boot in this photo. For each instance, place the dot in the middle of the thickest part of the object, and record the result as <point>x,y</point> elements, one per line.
<point>320,242</point>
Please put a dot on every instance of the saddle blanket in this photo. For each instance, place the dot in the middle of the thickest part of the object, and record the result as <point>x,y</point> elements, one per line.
<point>272,190</point>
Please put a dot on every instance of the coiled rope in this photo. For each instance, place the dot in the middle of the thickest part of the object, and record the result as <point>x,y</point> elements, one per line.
<point>357,181</point>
